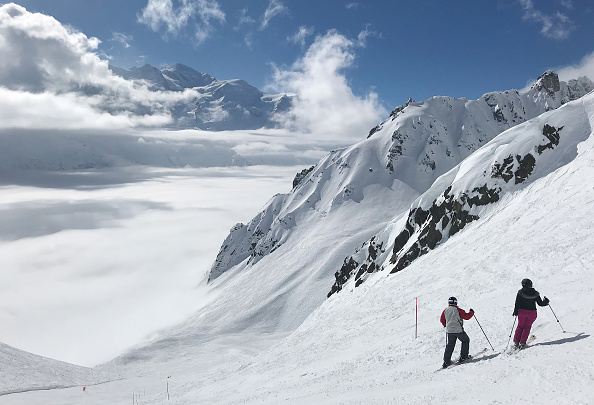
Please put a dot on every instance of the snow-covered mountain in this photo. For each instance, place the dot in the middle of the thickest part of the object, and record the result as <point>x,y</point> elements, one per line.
<point>517,207</point>
<point>220,104</point>
<point>22,371</point>
<point>419,142</point>
<point>499,219</point>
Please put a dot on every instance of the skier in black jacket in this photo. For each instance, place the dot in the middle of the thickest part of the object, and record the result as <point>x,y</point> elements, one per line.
<point>525,310</point>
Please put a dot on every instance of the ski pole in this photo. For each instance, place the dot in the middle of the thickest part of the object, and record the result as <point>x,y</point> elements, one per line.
<point>484,333</point>
<point>512,331</point>
<point>556,318</point>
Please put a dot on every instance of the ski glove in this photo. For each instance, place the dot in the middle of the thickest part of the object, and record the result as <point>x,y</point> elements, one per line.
<point>546,301</point>
<point>515,313</point>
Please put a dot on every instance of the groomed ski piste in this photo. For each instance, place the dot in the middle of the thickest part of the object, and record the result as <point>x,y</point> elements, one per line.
<point>359,346</point>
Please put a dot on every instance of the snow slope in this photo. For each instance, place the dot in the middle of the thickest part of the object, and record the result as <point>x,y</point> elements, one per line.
<point>417,144</point>
<point>282,264</point>
<point>22,371</point>
<point>358,347</point>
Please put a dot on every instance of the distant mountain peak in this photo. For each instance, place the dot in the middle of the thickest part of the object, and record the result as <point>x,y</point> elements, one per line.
<point>549,81</point>
<point>219,105</point>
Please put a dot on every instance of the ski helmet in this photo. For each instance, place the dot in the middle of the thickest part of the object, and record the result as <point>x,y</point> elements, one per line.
<point>527,283</point>
<point>452,301</point>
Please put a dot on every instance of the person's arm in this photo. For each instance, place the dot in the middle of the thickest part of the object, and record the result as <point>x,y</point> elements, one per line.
<point>442,318</point>
<point>541,302</point>
<point>516,306</point>
<point>465,315</point>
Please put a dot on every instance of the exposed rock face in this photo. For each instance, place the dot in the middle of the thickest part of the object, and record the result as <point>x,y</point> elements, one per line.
<point>301,175</point>
<point>426,227</point>
<point>219,104</point>
<point>417,144</point>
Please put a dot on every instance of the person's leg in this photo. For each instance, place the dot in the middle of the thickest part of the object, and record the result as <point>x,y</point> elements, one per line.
<point>451,343</point>
<point>465,344</point>
<point>521,324</point>
<point>530,318</point>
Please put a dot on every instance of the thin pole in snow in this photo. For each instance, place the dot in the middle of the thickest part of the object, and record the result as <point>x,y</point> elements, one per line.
<point>512,331</point>
<point>416,315</point>
<point>483,332</point>
<point>168,387</point>
<point>556,318</point>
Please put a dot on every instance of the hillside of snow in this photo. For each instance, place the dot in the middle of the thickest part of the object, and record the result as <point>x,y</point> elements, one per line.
<point>22,371</point>
<point>418,143</point>
<point>283,263</point>
<point>358,346</point>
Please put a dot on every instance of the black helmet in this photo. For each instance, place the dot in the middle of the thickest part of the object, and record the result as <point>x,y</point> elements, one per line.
<point>452,301</point>
<point>527,283</point>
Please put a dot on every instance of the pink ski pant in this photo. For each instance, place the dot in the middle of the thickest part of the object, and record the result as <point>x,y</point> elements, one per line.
<point>526,318</point>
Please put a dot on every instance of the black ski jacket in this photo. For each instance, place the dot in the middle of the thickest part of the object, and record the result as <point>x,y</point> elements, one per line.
<point>527,298</point>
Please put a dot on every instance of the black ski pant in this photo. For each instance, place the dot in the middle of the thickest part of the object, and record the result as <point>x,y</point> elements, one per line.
<point>451,343</point>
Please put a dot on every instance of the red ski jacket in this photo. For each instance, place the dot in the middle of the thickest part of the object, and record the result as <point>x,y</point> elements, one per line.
<point>454,321</point>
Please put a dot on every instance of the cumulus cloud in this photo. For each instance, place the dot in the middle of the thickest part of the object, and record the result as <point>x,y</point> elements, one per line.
<point>51,76</point>
<point>584,68</point>
<point>325,104</point>
<point>556,26</point>
<point>202,13</point>
<point>301,35</point>
<point>275,7</point>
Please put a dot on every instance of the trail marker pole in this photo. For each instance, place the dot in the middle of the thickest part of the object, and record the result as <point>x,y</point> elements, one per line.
<point>416,315</point>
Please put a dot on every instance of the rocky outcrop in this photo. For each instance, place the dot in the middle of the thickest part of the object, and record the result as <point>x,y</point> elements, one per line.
<point>426,227</point>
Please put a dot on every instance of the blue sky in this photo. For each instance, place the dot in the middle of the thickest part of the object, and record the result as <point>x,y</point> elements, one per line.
<point>398,49</point>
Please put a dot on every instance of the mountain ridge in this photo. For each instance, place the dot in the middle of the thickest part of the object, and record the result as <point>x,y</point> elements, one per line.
<point>218,105</point>
<point>419,142</point>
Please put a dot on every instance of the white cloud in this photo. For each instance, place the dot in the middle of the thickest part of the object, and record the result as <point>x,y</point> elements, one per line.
<point>301,35</point>
<point>244,18</point>
<point>122,38</point>
<point>556,26</point>
<point>350,6</point>
<point>50,76</point>
<point>584,68</point>
<point>275,7</point>
<point>567,4</point>
<point>158,13</point>
<point>326,105</point>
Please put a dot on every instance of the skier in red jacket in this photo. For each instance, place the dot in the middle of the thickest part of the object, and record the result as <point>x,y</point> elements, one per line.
<point>452,318</point>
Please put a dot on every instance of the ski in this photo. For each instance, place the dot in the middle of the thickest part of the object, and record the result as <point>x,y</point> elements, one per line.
<point>472,358</point>
<point>513,350</point>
